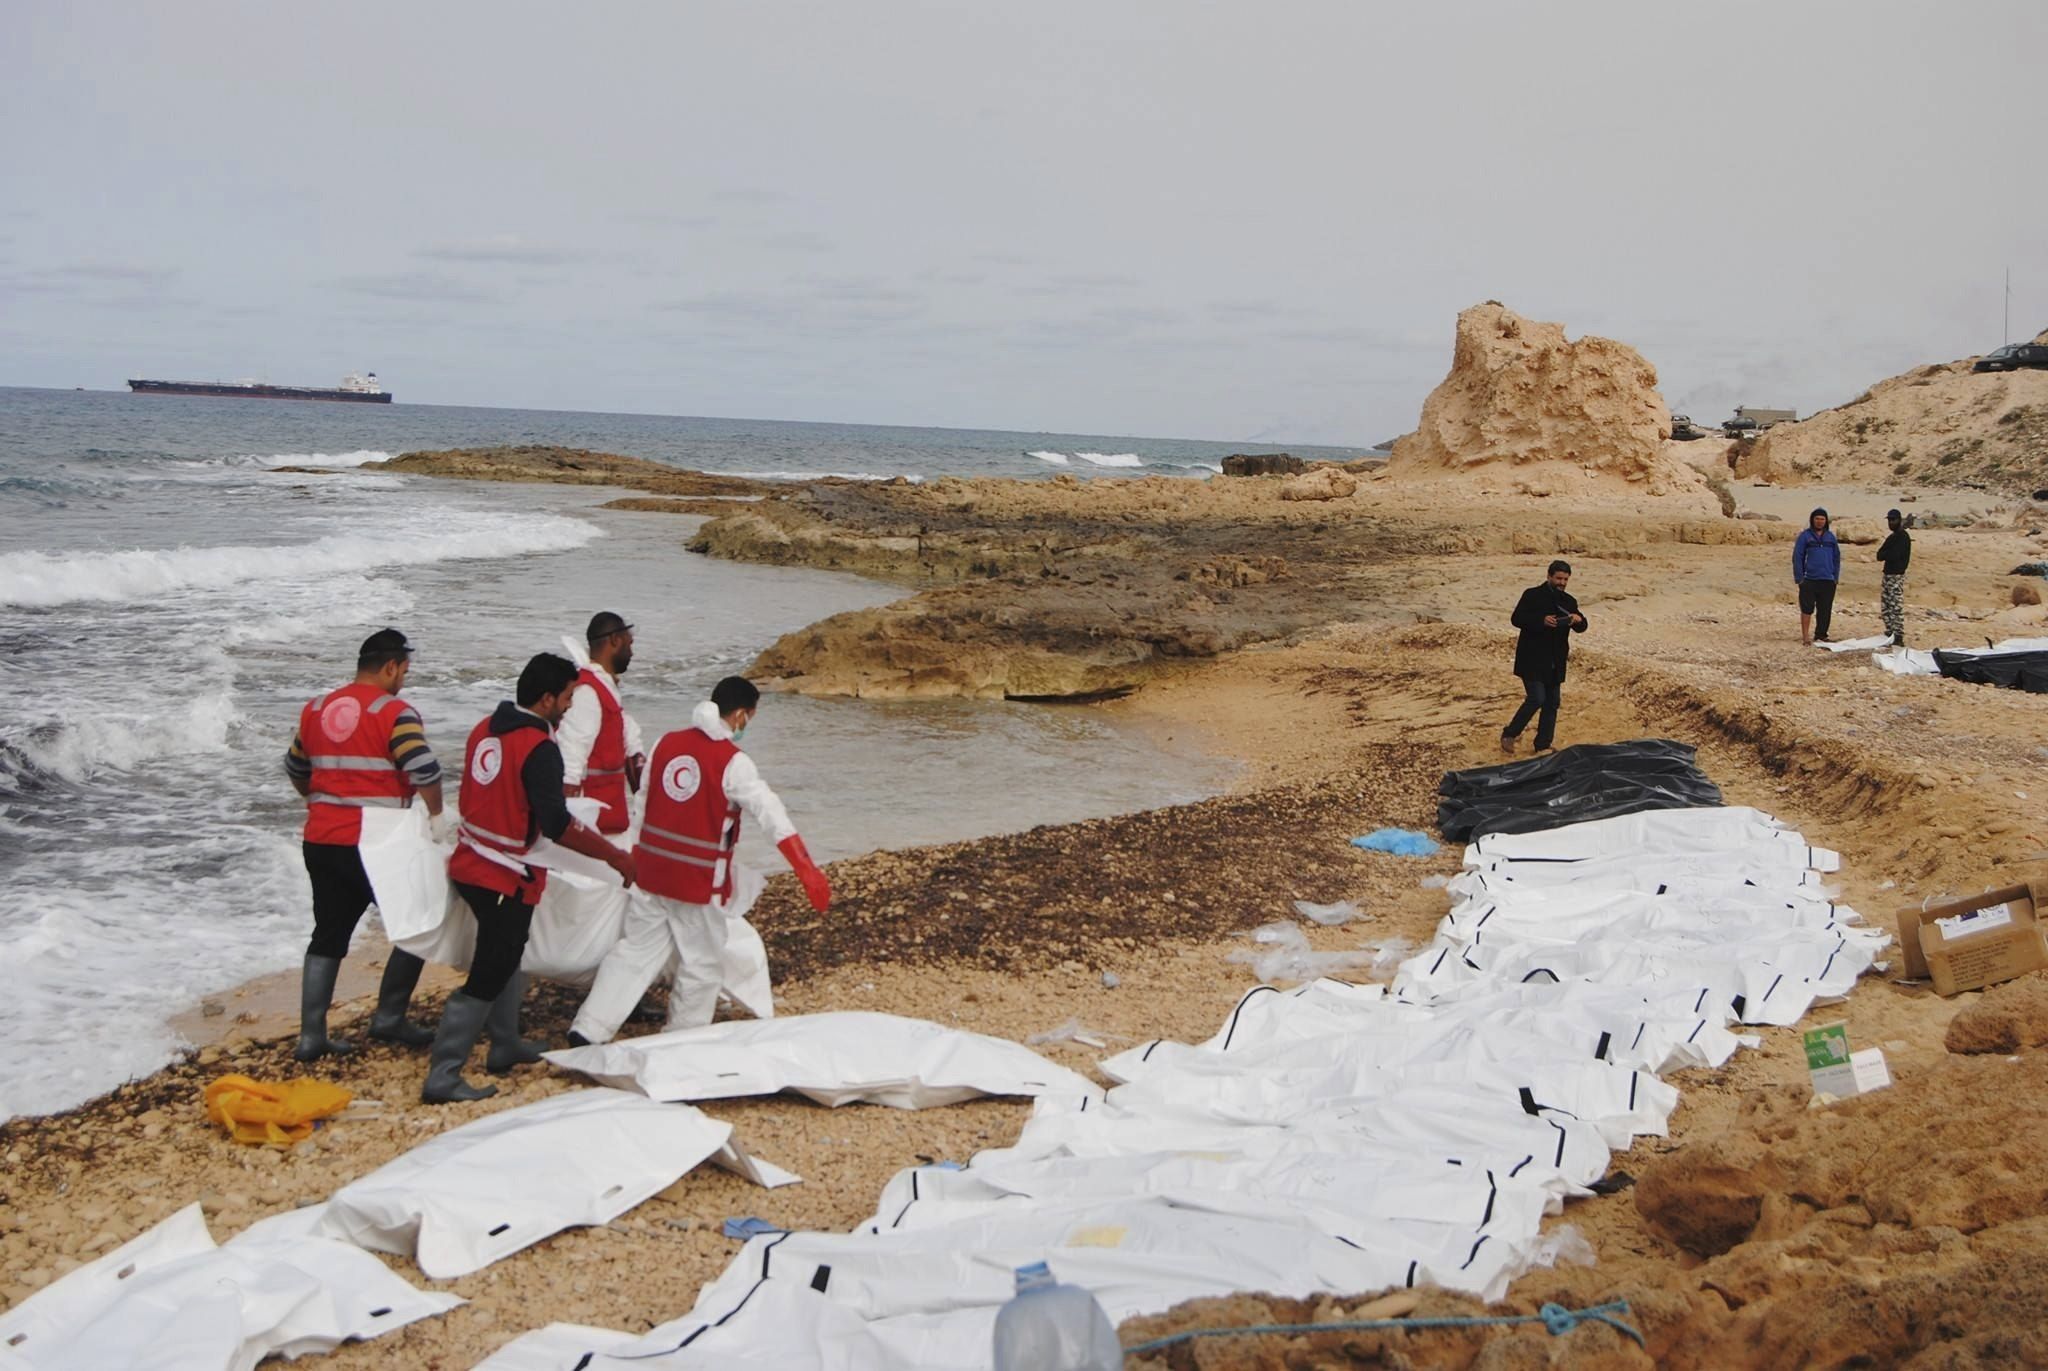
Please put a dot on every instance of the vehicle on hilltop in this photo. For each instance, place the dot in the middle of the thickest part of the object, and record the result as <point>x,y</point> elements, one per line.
<point>2013,356</point>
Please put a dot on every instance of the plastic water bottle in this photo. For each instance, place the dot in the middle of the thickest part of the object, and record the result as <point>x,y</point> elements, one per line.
<point>1047,1326</point>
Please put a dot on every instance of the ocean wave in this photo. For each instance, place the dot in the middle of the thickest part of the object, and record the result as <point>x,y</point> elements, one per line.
<point>361,457</point>
<point>1099,459</point>
<point>76,749</point>
<point>43,579</point>
<point>87,998</point>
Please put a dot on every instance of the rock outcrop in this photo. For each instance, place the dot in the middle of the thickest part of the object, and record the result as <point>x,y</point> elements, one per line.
<point>571,466</point>
<point>1262,464</point>
<point>1934,425</point>
<point>1324,483</point>
<point>1527,411</point>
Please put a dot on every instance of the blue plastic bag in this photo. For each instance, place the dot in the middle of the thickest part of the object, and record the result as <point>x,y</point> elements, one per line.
<point>1402,842</point>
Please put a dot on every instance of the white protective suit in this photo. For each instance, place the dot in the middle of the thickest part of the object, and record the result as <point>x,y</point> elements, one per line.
<point>657,927</point>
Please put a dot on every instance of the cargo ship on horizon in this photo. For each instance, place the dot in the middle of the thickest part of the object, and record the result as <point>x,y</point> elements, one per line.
<point>361,389</point>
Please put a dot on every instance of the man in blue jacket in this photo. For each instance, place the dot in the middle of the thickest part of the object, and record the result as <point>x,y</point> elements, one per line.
<point>1816,567</point>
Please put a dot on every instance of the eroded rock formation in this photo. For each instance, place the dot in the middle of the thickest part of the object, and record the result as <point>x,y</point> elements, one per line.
<point>1526,410</point>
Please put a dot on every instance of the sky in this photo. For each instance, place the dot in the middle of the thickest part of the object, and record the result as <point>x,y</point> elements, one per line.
<point>1192,219</point>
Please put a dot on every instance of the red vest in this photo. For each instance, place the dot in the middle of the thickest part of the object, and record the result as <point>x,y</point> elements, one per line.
<point>346,735</point>
<point>604,775</point>
<point>687,838</point>
<point>497,822</point>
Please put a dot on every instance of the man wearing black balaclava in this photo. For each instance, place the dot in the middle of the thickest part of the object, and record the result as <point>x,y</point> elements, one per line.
<point>1548,617</point>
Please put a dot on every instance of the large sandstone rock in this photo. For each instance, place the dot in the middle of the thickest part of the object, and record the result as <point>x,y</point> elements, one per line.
<point>1527,410</point>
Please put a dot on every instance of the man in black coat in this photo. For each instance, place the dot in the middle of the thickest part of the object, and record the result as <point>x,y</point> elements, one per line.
<point>1548,617</point>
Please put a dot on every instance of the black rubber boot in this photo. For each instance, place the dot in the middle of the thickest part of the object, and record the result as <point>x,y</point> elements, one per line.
<point>461,1023</point>
<point>508,1049</point>
<point>316,994</point>
<point>394,997</point>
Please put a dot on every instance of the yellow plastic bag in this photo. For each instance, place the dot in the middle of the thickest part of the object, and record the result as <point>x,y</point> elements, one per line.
<point>280,1115</point>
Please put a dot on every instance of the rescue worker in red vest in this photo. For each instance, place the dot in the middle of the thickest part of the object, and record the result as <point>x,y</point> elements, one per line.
<point>699,784</point>
<point>601,750</point>
<point>511,796</point>
<point>357,748</point>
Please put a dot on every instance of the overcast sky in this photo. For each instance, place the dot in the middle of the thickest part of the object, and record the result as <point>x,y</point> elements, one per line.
<point>1214,220</point>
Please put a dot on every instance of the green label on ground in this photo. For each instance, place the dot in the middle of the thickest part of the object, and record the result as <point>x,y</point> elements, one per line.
<point>1827,1046</point>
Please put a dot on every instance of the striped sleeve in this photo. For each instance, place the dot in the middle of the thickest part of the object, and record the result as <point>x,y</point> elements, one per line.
<point>296,763</point>
<point>409,750</point>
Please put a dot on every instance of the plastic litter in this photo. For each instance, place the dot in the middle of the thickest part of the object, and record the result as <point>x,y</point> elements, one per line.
<point>1434,882</point>
<point>1288,956</point>
<point>1402,842</point>
<point>1110,980</point>
<point>1589,781</point>
<point>749,1227</point>
<point>276,1115</point>
<point>1071,1031</point>
<point>1048,1326</point>
<point>1563,1245</point>
<point>1329,915</point>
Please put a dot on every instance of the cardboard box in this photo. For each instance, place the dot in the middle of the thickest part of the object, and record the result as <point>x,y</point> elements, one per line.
<point>1913,916</point>
<point>1982,940</point>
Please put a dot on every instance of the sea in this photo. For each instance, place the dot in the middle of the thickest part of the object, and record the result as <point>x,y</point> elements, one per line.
<point>169,599</point>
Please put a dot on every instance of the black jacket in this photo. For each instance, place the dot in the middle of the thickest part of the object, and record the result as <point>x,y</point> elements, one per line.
<point>1540,652</point>
<point>1896,552</point>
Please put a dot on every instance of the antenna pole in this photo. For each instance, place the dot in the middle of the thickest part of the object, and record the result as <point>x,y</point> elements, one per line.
<point>2008,304</point>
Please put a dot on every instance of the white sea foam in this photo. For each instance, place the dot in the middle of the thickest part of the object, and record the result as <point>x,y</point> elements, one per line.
<point>1112,459</point>
<point>818,476</point>
<point>77,746</point>
<point>42,579</point>
<point>1058,459</point>
<point>361,457</point>
<point>87,992</point>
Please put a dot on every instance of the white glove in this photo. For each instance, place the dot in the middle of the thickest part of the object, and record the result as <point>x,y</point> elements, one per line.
<point>442,827</point>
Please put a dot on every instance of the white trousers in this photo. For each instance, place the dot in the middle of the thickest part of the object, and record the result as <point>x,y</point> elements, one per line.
<point>655,927</point>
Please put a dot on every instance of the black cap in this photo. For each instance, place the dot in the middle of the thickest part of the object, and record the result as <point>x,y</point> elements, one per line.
<point>603,625</point>
<point>385,645</point>
<point>1893,514</point>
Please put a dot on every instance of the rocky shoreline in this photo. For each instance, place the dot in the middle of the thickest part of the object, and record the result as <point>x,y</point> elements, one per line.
<point>1066,589</point>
